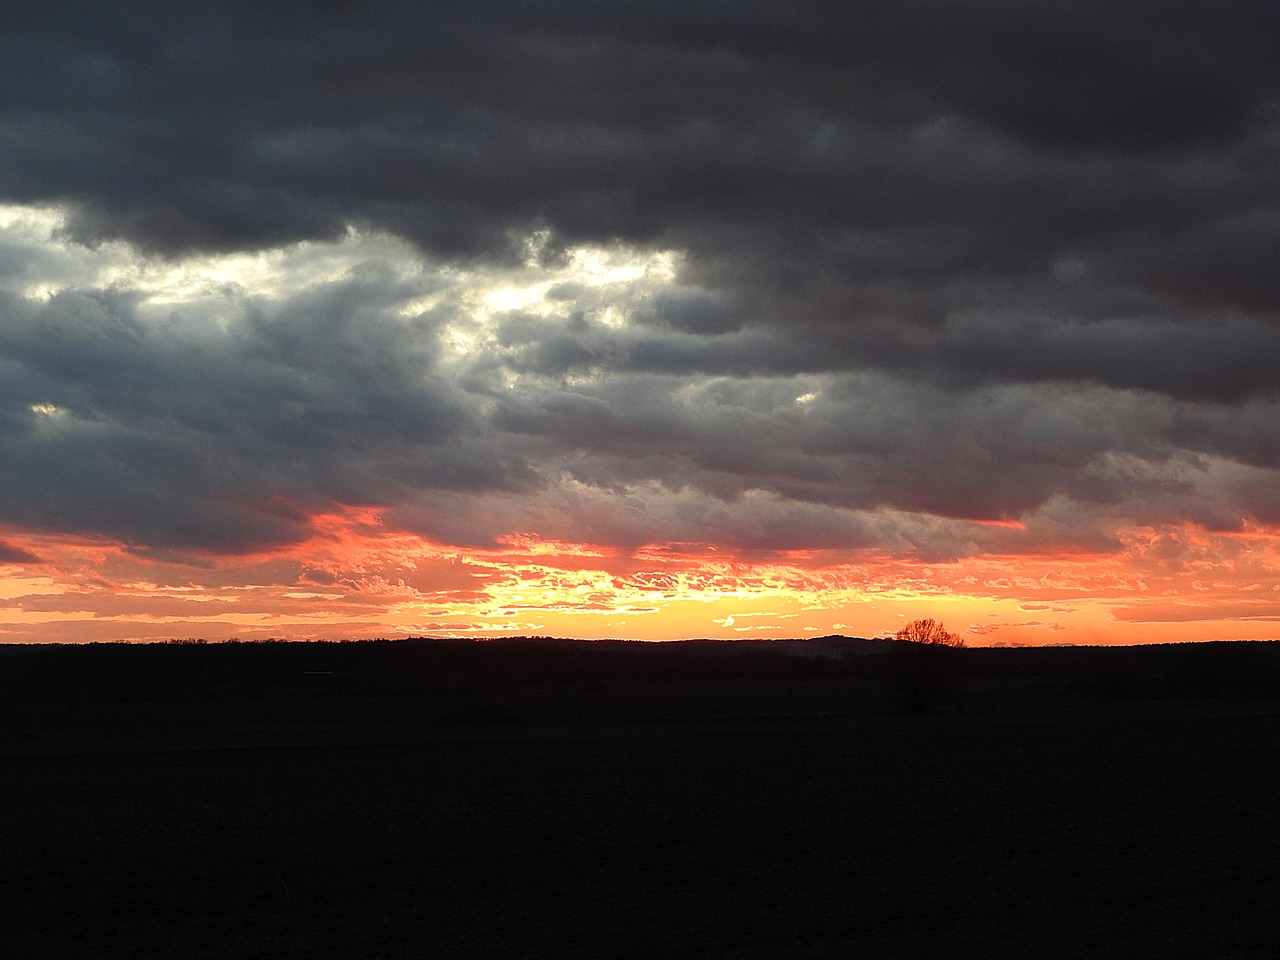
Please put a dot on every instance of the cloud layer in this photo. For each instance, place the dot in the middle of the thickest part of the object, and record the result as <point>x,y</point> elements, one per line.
<point>924,281</point>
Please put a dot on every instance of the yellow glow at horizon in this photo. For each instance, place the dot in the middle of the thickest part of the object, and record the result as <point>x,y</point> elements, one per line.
<point>530,585</point>
<point>19,586</point>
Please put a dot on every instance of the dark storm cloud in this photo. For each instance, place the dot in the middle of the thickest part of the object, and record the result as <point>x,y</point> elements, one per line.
<point>246,124</point>
<point>1221,358</point>
<point>862,443</point>
<point>968,259</point>
<point>227,440</point>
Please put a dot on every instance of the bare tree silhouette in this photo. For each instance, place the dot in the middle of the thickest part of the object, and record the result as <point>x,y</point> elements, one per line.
<point>931,632</point>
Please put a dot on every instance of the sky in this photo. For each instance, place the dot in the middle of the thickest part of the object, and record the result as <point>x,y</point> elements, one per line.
<point>599,318</point>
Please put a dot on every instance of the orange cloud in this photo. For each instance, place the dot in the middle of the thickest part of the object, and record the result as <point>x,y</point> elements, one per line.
<point>356,578</point>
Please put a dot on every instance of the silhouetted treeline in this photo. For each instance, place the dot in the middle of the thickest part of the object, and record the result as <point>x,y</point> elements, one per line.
<point>423,667</point>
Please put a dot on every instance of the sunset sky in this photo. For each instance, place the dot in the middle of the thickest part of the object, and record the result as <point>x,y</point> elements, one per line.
<point>650,320</point>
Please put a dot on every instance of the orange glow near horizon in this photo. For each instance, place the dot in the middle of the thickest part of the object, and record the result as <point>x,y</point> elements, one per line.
<point>355,579</point>
<point>566,555</point>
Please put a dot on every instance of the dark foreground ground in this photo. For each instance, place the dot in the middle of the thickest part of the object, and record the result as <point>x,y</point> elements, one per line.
<point>1119,830</point>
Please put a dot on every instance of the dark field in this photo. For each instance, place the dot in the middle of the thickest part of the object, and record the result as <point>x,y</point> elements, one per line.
<point>747,819</point>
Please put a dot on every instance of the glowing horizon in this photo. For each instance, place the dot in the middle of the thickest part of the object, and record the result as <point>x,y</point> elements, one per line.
<point>718,353</point>
<point>348,584</point>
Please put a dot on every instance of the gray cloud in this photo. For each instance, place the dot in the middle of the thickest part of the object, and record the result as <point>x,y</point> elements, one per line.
<point>11,554</point>
<point>863,443</point>
<point>456,124</point>
<point>965,261</point>
<point>230,440</point>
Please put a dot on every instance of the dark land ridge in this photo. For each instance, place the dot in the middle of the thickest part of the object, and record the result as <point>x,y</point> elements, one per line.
<point>981,677</point>
<point>532,797</point>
